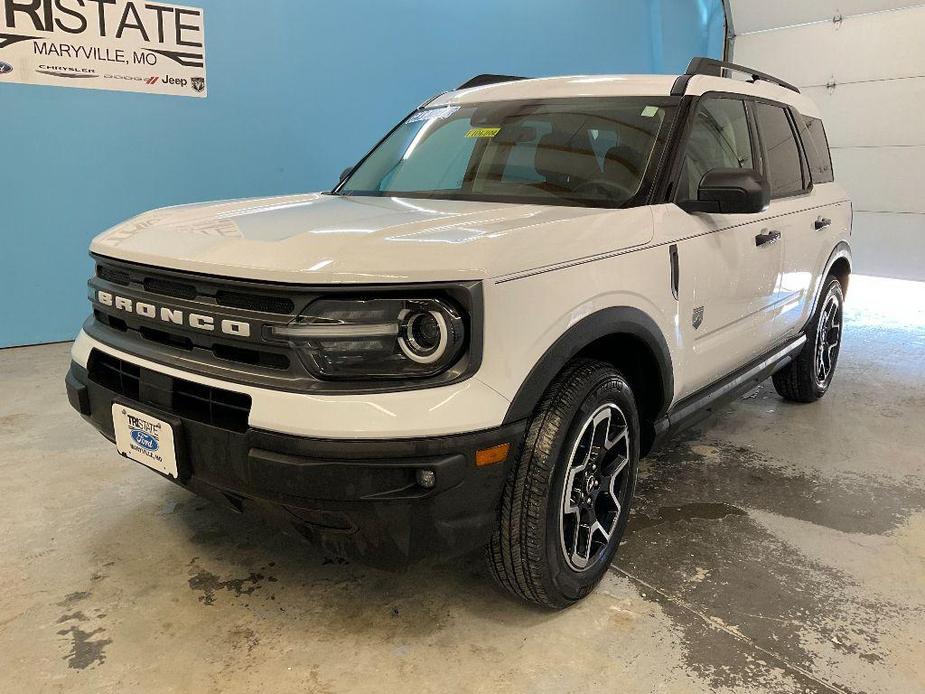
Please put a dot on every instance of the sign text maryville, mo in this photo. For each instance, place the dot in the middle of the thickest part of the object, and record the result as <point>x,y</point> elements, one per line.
<point>123,45</point>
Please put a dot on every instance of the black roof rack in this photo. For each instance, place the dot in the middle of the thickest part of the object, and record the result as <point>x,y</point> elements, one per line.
<point>482,80</point>
<point>716,68</point>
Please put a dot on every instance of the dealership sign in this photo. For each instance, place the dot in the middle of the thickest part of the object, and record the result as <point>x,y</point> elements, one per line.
<point>123,45</point>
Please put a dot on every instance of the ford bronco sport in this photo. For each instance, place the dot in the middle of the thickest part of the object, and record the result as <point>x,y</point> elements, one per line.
<point>470,342</point>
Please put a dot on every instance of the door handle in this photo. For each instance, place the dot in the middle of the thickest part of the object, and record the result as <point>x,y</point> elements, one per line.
<point>766,238</point>
<point>822,223</point>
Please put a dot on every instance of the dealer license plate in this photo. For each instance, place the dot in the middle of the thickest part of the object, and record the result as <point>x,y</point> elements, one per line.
<point>145,439</point>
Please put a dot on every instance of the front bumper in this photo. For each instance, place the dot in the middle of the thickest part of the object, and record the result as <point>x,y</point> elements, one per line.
<point>353,498</point>
<point>459,408</point>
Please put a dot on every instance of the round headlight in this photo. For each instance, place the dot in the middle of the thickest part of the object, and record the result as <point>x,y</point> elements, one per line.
<point>423,336</point>
<point>388,337</point>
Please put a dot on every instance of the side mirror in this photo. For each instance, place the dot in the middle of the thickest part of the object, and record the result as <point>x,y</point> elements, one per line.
<point>346,172</point>
<point>731,191</point>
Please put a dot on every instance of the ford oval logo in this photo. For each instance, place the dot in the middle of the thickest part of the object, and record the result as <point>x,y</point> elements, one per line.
<point>144,440</point>
<point>5,68</point>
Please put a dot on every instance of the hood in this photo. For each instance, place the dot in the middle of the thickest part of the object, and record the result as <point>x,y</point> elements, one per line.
<point>327,239</point>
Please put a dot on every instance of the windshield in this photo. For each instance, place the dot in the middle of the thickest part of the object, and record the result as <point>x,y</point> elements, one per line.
<point>590,151</point>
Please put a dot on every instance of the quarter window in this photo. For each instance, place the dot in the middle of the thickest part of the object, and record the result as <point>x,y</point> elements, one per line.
<point>816,146</point>
<point>719,138</point>
<point>782,154</point>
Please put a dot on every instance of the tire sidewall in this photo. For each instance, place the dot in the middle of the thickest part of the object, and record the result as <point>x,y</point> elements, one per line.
<point>564,580</point>
<point>833,286</point>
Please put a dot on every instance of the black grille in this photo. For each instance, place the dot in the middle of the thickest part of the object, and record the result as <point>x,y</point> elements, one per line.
<point>112,275</point>
<point>255,302</point>
<point>220,408</point>
<point>178,290</point>
<point>111,321</point>
<point>209,346</point>
<point>168,339</point>
<point>271,360</point>
<point>114,374</point>
<point>213,406</point>
<point>204,290</point>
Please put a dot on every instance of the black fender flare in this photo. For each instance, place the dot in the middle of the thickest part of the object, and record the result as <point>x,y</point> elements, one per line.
<point>841,250</point>
<point>624,320</point>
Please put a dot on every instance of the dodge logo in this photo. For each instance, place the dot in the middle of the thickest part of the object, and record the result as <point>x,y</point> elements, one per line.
<point>174,315</point>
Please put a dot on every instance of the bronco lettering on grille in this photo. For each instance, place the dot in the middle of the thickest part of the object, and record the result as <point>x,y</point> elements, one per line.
<point>175,316</point>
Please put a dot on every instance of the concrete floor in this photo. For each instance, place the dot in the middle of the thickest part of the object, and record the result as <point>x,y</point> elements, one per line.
<point>779,548</point>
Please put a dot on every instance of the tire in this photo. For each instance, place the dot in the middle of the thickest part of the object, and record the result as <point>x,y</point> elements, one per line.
<point>809,375</point>
<point>579,462</point>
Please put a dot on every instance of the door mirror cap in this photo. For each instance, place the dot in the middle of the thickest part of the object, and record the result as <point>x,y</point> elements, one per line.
<point>731,191</point>
<point>346,172</point>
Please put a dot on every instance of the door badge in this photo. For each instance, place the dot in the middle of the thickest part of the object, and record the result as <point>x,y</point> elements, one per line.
<point>697,318</point>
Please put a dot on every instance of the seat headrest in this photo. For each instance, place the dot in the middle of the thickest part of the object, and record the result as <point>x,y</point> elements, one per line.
<point>624,166</point>
<point>565,158</point>
<point>629,159</point>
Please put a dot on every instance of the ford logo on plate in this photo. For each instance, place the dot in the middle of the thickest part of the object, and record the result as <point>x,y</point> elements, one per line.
<point>5,68</point>
<point>144,440</point>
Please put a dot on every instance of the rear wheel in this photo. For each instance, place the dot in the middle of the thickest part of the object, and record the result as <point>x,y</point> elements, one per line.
<point>566,503</point>
<point>809,375</point>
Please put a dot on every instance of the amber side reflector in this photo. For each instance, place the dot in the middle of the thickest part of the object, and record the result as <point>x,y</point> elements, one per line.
<point>493,455</point>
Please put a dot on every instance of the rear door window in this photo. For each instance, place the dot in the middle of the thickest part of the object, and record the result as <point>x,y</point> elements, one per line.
<point>783,166</point>
<point>816,146</point>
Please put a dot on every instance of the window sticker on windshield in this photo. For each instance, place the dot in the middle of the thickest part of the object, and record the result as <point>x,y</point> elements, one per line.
<point>433,114</point>
<point>483,132</point>
<point>650,111</point>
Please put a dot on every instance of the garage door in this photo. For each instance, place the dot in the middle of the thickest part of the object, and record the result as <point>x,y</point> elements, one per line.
<point>863,62</point>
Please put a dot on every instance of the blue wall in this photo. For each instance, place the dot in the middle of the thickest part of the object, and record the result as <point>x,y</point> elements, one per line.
<point>297,91</point>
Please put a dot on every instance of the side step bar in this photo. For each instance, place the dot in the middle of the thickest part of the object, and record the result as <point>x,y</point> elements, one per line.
<point>699,406</point>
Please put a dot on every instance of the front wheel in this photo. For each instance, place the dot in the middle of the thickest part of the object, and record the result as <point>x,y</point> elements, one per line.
<point>566,503</point>
<point>809,375</point>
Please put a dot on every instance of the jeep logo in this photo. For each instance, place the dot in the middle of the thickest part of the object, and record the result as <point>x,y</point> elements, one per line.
<point>172,315</point>
<point>178,81</point>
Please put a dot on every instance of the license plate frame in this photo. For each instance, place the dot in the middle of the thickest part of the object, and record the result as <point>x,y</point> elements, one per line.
<point>148,439</point>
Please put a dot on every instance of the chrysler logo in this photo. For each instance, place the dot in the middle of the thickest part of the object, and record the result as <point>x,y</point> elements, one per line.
<point>174,315</point>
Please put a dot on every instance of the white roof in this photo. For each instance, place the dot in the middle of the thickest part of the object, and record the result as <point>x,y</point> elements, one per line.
<point>620,85</point>
<point>701,84</point>
<point>558,87</point>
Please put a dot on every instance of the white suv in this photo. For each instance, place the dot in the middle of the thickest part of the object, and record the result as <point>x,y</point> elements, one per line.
<point>472,340</point>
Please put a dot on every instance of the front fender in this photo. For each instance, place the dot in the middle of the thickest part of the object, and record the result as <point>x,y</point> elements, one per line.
<point>624,320</point>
